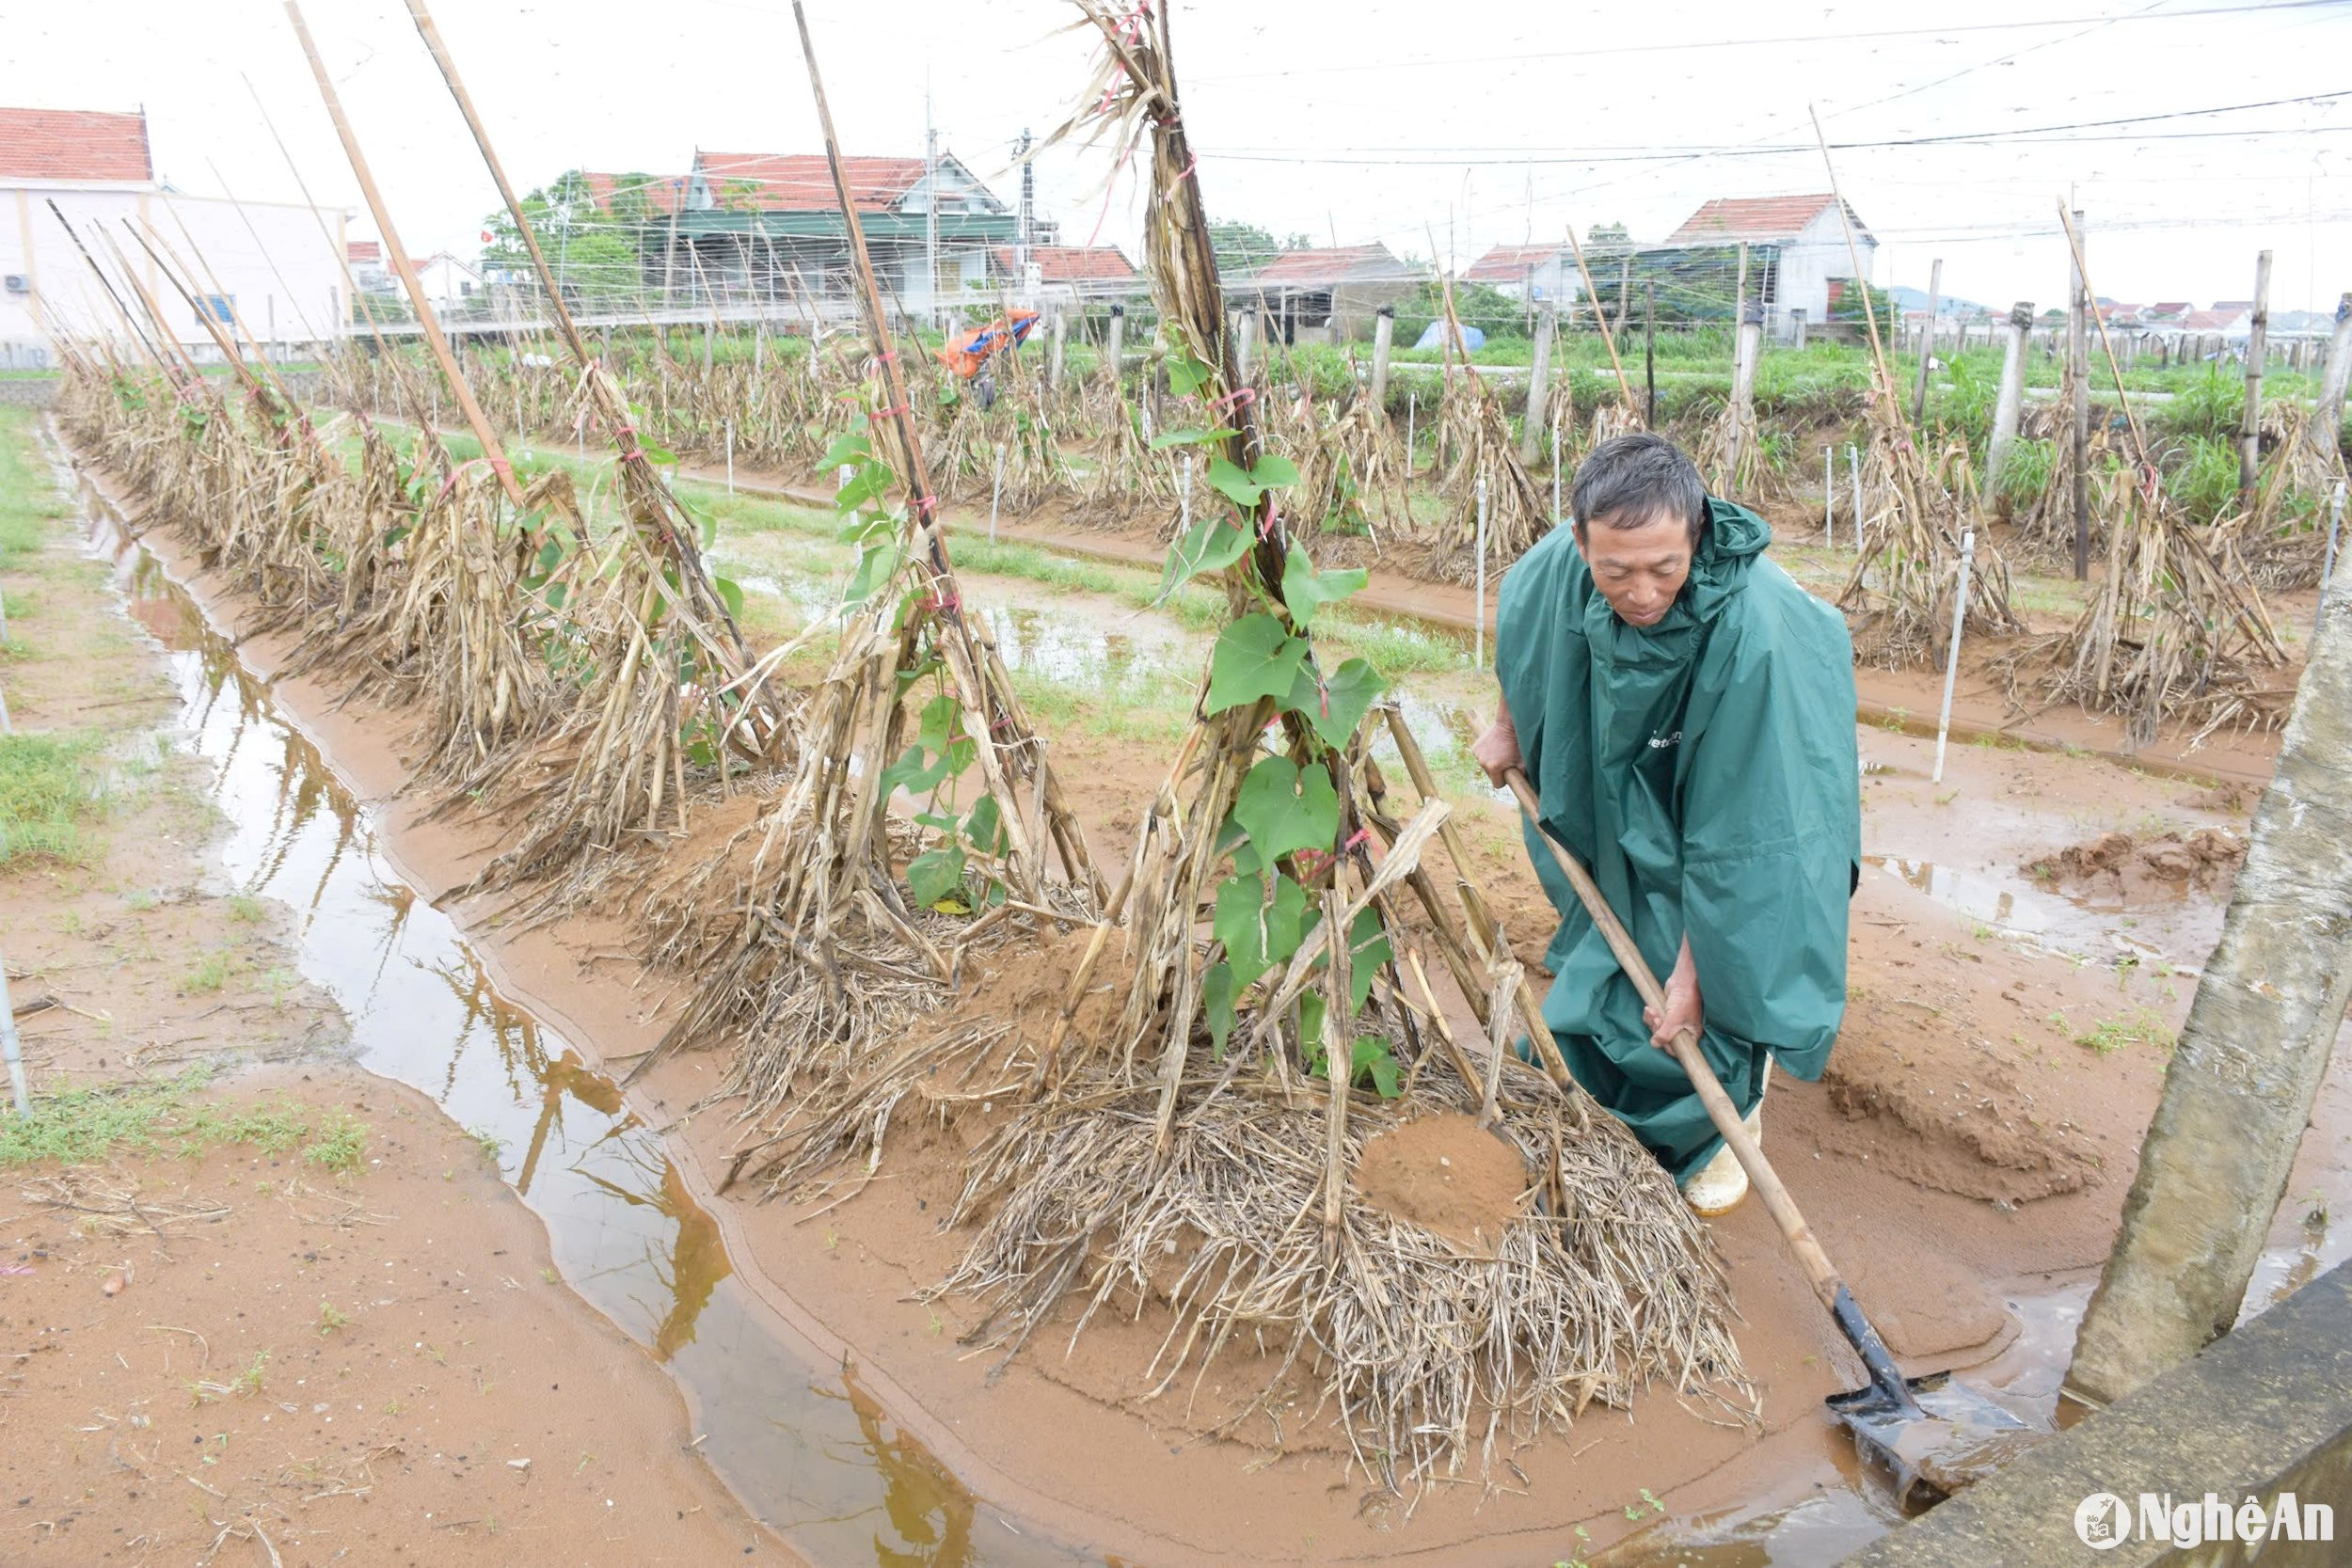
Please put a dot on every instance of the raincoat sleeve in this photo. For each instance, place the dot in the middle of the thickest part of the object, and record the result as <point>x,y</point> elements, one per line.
<point>1772,815</point>
<point>1544,666</point>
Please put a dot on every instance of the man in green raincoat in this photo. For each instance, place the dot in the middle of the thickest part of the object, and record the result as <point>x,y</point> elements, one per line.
<point>1686,713</point>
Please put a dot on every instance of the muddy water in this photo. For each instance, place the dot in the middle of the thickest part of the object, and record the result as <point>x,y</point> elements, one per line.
<point>800,1440</point>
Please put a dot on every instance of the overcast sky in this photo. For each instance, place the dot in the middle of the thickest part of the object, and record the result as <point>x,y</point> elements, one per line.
<point>1434,128</point>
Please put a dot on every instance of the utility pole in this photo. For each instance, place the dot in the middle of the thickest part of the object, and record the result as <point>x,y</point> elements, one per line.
<point>1029,204</point>
<point>931,203</point>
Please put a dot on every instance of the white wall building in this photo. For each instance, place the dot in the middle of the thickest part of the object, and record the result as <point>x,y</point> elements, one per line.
<point>266,268</point>
<point>450,284</point>
<point>1798,255</point>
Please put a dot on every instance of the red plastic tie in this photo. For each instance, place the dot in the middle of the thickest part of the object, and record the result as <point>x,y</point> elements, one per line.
<point>1357,840</point>
<point>891,413</point>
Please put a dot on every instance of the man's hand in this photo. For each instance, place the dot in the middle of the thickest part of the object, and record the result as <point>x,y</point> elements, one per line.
<point>1683,1008</point>
<point>1497,751</point>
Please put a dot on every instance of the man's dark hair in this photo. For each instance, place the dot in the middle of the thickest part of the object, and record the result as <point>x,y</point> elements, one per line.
<point>1631,481</point>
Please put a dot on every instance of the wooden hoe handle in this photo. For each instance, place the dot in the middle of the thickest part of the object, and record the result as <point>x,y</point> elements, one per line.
<point>1720,1110</point>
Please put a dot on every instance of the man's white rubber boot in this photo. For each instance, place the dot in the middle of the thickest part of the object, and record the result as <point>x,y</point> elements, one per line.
<point>1722,1183</point>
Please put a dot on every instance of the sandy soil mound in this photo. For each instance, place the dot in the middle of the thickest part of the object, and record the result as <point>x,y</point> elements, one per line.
<point>2207,857</point>
<point>1985,1136</point>
<point>1447,1174</point>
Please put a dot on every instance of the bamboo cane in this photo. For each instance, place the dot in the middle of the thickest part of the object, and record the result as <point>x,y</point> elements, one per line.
<point>430,324</point>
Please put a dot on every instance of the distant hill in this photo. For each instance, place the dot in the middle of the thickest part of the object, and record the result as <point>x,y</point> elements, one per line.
<point>1909,299</point>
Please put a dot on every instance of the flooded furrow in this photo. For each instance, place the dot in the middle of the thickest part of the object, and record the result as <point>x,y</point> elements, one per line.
<point>800,1440</point>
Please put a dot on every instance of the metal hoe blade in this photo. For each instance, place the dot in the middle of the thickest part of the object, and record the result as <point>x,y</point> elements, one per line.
<point>1952,1436</point>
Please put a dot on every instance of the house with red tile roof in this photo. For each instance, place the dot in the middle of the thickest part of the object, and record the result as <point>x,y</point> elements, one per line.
<point>98,168</point>
<point>1065,273</point>
<point>1799,255</point>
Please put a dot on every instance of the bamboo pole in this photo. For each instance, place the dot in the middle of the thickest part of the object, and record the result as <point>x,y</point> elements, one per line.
<point>138,332</point>
<point>2250,431</point>
<point>613,406</point>
<point>395,253</point>
<point>974,667</point>
<point>1600,319</point>
<point>2078,394</point>
<point>1927,340</point>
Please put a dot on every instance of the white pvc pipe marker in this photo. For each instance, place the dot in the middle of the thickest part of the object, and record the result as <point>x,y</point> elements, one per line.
<point>1951,662</point>
<point>996,489</point>
<point>1829,497</point>
<point>14,1047</point>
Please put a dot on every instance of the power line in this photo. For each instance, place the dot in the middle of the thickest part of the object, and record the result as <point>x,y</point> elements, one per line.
<point>1420,62</point>
<point>1519,155</point>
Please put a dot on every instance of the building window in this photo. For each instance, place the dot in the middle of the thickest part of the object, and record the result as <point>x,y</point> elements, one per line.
<point>465,287</point>
<point>216,308</point>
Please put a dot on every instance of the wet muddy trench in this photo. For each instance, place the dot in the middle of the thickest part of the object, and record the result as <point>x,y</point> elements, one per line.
<point>807,1449</point>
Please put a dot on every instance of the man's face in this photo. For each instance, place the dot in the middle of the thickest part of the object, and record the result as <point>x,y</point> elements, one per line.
<point>1638,570</point>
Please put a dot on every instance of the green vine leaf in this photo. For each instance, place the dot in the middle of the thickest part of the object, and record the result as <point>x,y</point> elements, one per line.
<point>874,568</point>
<point>1189,436</point>
<point>1373,1057</point>
<point>936,879</point>
<point>1214,544</point>
<point>871,481</point>
<point>1284,810</point>
<point>1217,989</point>
<point>1186,376</point>
<point>1367,950</point>
<point>1307,591</point>
<point>849,446</point>
<point>660,455</point>
<point>984,825</point>
<point>730,594</point>
<point>1258,932</point>
<point>1337,703</point>
<point>1255,656</point>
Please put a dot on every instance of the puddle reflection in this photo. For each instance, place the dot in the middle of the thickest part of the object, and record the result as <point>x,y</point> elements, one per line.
<point>802,1443</point>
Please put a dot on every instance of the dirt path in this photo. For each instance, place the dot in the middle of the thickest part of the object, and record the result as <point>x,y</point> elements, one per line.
<point>1965,1157</point>
<point>248,1292</point>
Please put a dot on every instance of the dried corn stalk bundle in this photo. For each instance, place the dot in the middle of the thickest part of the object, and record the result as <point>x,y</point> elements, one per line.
<point>1475,432</point>
<point>1132,478</point>
<point>1730,452</point>
<point>815,954</point>
<point>2045,524</point>
<point>1196,1136</point>
<point>2177,630</point>
<point>1353,478</point>
<point>665,688</point>
<point>1908,566</point>
<point>2285,533</point>
<point>973,442</point>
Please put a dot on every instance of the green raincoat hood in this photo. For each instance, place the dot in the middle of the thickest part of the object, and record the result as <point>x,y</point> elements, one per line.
<point>1705,769</point>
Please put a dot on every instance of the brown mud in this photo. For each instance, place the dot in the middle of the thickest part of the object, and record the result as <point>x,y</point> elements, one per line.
<point>264,1345</point>
<point>1964,1160</point>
